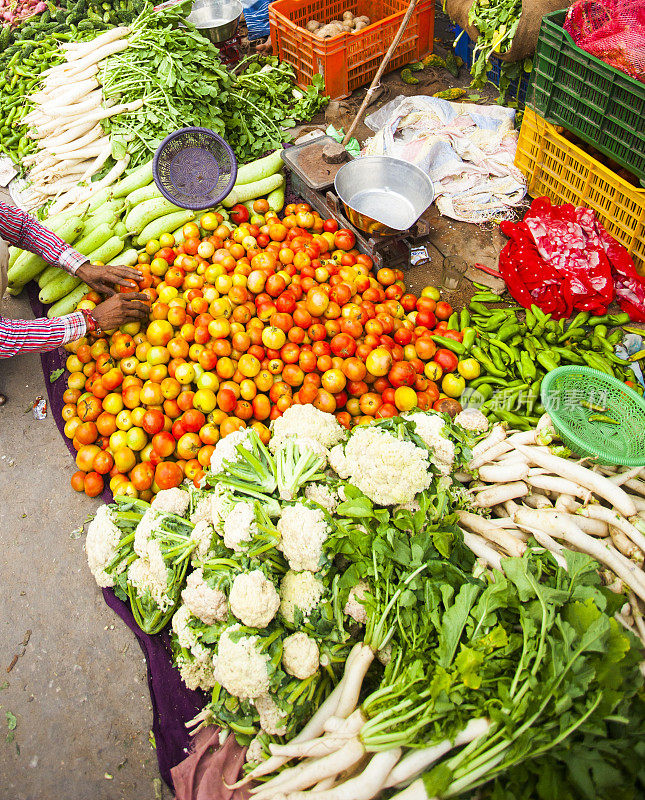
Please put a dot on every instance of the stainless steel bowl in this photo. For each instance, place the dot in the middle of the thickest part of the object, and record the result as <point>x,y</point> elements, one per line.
<point>216,19</point>
<point>383,195</point>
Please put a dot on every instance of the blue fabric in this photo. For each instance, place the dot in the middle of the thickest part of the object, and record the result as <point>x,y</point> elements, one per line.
<point>256,16</point>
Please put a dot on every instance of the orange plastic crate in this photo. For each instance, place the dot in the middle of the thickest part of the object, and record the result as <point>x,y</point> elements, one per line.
<point>350,60</point>
<point>556,168</point>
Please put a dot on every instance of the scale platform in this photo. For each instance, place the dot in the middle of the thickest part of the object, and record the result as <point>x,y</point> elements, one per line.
<point>313,180</point>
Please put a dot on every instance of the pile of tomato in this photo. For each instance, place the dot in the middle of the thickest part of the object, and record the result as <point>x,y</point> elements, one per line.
<point>246,320</point>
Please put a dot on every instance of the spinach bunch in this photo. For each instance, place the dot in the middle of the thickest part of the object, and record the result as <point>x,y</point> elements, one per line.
<point>496,21</point>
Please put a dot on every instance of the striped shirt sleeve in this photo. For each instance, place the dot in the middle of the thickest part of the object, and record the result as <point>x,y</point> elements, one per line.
<point>22,231</point>
<point>29,335</point>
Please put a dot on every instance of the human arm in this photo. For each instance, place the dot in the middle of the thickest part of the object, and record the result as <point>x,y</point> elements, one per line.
<point>40,335</point>
<point>23,231</point>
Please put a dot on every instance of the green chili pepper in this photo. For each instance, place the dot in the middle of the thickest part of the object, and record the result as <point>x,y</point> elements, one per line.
<point>510,351</point>
<point>603,418</point>
<point>470,334</point>
<point>507,331</point>
<point>592,406</point>
<point>496,357</point>
<point>548,360</point>
<point>464,319</point>
<point>489,379</point>
<point>480,309</point>
<point>527,367</point>
<point>529,347</point>
<point>453,322</point>
<point>541,324</point>
<point>513,419</point>
<point>534,394</point>
<point>486,362</point>
<point>596,361</point>
<point>486,297</point>
<point>449,344</point>
<point>571,335</point>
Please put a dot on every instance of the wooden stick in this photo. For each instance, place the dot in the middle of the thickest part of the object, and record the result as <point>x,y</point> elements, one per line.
<point>375,82</point>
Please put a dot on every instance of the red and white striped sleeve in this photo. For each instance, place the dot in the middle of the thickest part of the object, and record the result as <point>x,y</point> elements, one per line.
<point>22,231</point>
<point>25,335</point>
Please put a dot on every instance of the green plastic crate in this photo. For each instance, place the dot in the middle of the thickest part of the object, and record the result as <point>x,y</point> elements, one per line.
<point>602,105</point>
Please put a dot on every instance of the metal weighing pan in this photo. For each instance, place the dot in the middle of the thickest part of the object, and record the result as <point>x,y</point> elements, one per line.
<point>216,19</point>
<point>383,196</point>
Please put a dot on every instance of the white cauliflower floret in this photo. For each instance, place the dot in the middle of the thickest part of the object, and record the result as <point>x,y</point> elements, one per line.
<point>300,590</point>
<point>186,636</point>
<point>174,501</point>
<point>322,494</point>
<point>208,605</point>
<point>431,427</point>
<point>305,443</point>
<point>255,752</point>
<point>101,545</point>
<point>354,607</point>
<point>272,719</point>
<point>144,530</point>
<point>338,462</point>
<point>239,526</point>
<point>197,672</point>
<point>300,655</point>
<point>472,419</point>
<point>226,449</point>
<point>303,531</point>
<point>386,469</point>
<point>253,599</point>
<point>202,533</point>
<point>150,574</point>
<point>203,509</point>
<point>240,667</point>
<point>306,421</point>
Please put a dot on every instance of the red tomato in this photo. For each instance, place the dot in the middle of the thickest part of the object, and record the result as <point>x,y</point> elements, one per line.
<point>446,359</point>
<point>330,226</point>
<point>343,345</point>
<point>426,318</point>
<point>402,374</point>
<point>344,239</point>
<point>239,214</point>
<point>443,310</point>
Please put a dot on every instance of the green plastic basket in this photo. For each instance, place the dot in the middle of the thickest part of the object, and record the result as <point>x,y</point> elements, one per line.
<point>565,389</point>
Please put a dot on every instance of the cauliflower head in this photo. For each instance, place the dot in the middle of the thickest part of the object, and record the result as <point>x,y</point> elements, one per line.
<point>149,574</point>
<point>472,420</point>
<point>196,668</point>
<point>324,495</point>
<point>299,590</point>
<point>253,599</point>
<point>202,534</point>
<point>207,604</point>
<point>388,470</point>
<point>303,531</point>
<point>203,509</point>
<point>240,667</point>
<point>308,422</point>
<point>226,449</point>
<point>354,606</point>
<point>300,655</point>
<point>431,428</point>
<point>239,526</point>
<point>101,545</point>
<point>172,501</point>
<point>272,719</point>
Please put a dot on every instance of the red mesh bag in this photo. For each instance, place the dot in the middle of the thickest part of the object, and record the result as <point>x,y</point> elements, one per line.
<point>611,30</point>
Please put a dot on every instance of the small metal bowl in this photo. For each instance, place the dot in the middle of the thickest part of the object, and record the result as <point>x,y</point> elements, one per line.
<point>383,196</point>
<point>217,20</point>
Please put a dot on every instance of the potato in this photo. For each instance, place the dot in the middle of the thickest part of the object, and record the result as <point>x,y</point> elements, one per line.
<point>348,27</point>
<point>313,25</point>
<point>364,19</point>
<point>332,29</point>
<point>360,25</point>
<point>348,16</point>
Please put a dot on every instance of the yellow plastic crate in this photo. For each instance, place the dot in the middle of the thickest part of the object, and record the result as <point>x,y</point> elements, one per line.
<point>557,169</point>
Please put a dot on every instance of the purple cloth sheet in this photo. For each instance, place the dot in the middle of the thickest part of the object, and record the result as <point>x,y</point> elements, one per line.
<point>172,703</point>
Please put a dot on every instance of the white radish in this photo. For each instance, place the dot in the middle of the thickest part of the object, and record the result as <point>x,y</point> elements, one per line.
<point>323,745</point>
<point>96,165</point>
<point>70,135</point>
<point>535,500</point>
<point>364,786</point>
<point>353,680</point>
<point>325,784</point>
<point>489,455</point>
<point>593,527</point>
<point>415,791</point>
<point>550,483</point>
<point>76,147</point>
<point>550,544</point>
<point>105,38</point>
<point>501,493</point>
<point>499,536</point>
<point>503,473</point>
<point>69,96</point>
<point>585,477</point>
<point>523,437</point>
<point>98,54</point>
<point>603,514</point>
<point>497,435</point>
<point>635,571</point>
<point>416,761</point>
<point>482,550</point>
<point>623,477</point>
<point>560,527</point>
<point>635,486</point>
<point>624,545</point>
<point>310,772</point>
<point>566,503</point>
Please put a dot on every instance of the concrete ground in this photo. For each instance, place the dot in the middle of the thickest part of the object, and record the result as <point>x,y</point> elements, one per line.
<point>78,688</point>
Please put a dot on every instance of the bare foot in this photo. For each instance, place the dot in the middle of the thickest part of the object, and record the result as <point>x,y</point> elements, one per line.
<point>264,48</point>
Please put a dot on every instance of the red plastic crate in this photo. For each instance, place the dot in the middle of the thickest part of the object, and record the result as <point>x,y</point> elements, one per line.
<point>350,60</point>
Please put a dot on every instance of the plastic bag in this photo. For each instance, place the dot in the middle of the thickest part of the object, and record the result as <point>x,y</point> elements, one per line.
<point>611,30</point>
<point>563,260</point>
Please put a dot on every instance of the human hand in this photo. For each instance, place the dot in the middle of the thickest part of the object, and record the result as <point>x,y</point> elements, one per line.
<point>104,279</point>
<point>119,309</point>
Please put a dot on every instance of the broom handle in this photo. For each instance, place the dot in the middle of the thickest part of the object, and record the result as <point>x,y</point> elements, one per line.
<point>380,71</point>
